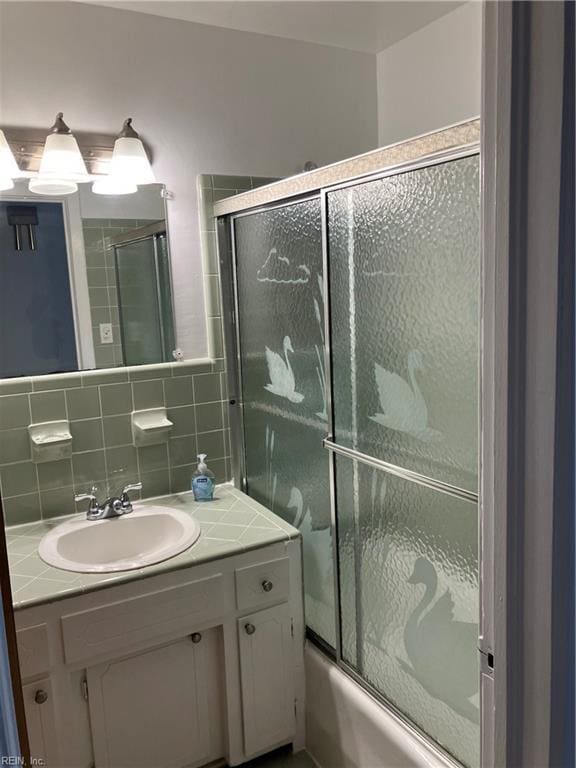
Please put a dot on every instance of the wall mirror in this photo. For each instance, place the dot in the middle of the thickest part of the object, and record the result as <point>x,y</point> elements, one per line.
<point>85,281</point>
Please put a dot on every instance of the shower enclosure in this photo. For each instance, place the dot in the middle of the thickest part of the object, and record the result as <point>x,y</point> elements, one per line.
<point>144,289</point>
<point>354,393</point>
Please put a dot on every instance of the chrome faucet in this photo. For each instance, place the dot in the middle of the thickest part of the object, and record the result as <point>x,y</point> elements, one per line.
<point>115,506</point>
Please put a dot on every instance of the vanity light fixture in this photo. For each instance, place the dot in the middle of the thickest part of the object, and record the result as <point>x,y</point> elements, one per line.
<point>62,167</point>
<point>129,167</point>
<point>8,167</point>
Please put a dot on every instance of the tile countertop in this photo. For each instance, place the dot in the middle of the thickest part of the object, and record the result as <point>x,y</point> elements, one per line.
<point>232,523</point>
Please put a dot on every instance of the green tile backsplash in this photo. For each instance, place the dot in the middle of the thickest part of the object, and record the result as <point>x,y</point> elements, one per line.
<point>98,406</point>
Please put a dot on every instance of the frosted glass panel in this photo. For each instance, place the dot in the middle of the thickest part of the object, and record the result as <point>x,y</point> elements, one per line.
<point>281,322</point>
<point>413,631</point>
<point>404,282</point>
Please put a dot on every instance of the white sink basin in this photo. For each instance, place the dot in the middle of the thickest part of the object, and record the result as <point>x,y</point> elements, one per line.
<point>145,536</point>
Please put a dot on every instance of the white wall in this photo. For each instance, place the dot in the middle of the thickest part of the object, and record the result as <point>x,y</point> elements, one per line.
<point>206,99</point>
<point>431,78</point>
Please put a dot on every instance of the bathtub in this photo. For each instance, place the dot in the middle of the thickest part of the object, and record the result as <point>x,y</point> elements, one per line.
<point>347,728</point>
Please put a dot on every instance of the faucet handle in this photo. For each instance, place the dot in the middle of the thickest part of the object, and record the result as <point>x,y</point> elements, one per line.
<point>124,498</point>
<point>86,496</point>
<point>91,497</point>
<point>131,487</point>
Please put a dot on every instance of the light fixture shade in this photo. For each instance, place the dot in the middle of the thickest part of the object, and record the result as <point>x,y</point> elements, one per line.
<point>110,185</point>
<point>62,159</point>
<point>6,183</point>
<point>52,186</point>
<point>8,166</point>
<point>130,162</point>
<point>62,166</point>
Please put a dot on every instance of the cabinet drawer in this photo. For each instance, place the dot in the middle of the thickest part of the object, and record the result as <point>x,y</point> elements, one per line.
<point>263,584</point>
<point>121,625</point>
<point>33,650</point>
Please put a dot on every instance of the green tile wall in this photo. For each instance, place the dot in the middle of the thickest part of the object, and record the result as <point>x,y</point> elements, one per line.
<point>212,188</point>
<point>98,405</point>
<point>102,286</point>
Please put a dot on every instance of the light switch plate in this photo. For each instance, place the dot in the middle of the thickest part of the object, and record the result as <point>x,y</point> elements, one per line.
<point>106,336</point>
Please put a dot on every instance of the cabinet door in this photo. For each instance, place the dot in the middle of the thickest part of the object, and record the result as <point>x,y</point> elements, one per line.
<point>265,640</point>
<point>39,708</point>
<point>153,709</point>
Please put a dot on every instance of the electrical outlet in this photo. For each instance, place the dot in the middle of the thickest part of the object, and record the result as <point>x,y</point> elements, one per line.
<point>106,336</point>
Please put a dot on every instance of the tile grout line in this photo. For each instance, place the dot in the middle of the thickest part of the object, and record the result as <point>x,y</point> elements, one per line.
<point>106,469</point>
<point>32,421</point>
<point>165,400</point>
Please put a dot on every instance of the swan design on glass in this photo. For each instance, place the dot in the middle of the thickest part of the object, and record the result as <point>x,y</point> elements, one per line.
<point>278,269</point>
<point>376,545</point>
<point>403,406</point>
<point>320,370</point>
<point>296,502</point>
<point>442,651</point>
<point>282,381</point>
<point>271,476</point>
<point>316,549</point>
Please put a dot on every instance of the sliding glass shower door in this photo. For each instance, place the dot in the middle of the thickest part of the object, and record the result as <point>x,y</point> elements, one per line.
<point>281,342</point>
<point>379,277</point>
<point>404,280</point>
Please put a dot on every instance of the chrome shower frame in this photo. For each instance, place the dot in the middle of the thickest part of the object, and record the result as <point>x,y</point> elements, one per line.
<point>228,260</point>
<point>149,232</point>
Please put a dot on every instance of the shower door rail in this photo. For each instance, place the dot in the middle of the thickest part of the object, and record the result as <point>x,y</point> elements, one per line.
<point>392,469</point>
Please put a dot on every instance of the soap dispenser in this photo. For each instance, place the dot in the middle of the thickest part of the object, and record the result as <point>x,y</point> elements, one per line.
<point>203,480</point>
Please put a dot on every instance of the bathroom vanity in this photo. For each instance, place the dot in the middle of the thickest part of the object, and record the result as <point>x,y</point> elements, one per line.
<point>192,660</point>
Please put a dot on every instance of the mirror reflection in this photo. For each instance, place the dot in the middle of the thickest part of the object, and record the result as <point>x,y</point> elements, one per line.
<point>85,281</point>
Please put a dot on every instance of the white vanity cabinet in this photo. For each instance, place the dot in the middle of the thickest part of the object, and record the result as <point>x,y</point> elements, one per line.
<point>157,707</point>
<point>172,671</point>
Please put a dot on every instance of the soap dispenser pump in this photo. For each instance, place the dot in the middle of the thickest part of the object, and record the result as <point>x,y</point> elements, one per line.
<point>203,481</point>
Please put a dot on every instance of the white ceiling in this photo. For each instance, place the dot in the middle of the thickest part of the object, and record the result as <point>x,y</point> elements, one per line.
<point>359,26</point>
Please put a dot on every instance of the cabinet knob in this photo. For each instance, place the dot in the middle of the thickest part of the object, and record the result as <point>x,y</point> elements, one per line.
<point>267,586</point>
<point>196,637</point>
<point>40,697</point>
<point>250,629</point>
